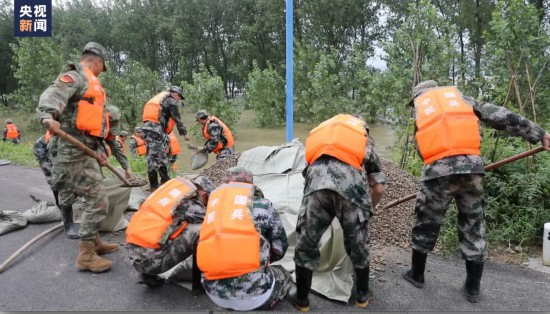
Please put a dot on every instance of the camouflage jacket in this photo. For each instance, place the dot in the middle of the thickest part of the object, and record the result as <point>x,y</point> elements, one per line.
<point>216,135</point>
<point>40,149</point>
<point>330,173</point>
<point>169,108</point>
<point>273,247</point>
<point>116,150</point>
<point>191,210</point>
<point>59,101</point>
<point>498,118</point>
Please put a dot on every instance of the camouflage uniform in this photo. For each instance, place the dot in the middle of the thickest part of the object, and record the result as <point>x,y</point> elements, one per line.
<point>42,155</point>
<point>336,189</point>
<point>74,172</point>
<point>133,143</point>
<point>110,140</point>
<point>157,140</point>
<point>461,177</point>
<point>156,261</point>
<point>215,131</point>
<point>238,292</point>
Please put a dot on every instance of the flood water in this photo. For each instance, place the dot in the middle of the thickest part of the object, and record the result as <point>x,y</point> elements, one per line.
<point>247,136</point>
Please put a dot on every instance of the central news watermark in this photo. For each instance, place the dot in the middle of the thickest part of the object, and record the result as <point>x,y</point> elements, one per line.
<point>32,18</point>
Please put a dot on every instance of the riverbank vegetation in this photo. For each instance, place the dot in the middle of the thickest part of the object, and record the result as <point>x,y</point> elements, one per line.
<point>351,56</point>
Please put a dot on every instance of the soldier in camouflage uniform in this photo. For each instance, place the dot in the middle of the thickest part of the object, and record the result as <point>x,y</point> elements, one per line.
<point>116,149</point>
<point>76,175</point>
<point>269,282</point>
<point>332,189</point>
<point>133,144</point>
<point>215,131</point>
<point>152,262</point>
<point>15,139</point>
<point>460,177</point>
<point>157,139</point>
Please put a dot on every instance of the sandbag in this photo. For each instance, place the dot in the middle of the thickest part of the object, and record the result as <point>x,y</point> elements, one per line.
<point>198,160</point>
<point>11,220</point>
<point>42,212</point>
<point>137,197</point>
<point>118,202</point>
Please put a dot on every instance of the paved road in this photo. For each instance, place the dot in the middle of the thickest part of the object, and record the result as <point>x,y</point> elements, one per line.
<point>44,277</point>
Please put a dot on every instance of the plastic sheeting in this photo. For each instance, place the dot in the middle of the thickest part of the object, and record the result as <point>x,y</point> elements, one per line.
<point>278,172</point>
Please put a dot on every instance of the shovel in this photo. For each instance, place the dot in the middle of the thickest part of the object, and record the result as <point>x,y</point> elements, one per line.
<point>497,164</point>
<point>89,151</point>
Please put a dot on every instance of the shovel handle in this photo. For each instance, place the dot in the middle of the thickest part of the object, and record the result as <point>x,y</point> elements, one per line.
<point>490,167</point>
<point>90,152</point>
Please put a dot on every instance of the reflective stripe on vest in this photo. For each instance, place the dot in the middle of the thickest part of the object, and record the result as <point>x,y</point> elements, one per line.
<point>343,137</point>
<point>153,224</point>
<point>141,148</point>
<point>446,125</point>
<point>12,131</point>
<point>152,111</point>
<point>90,116</point>
<point>229,244</point>
<point>226,132</point>
<point>174,144</point>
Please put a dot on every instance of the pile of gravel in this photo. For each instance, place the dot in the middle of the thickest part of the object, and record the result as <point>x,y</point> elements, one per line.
<point>217,170</point>
<point>393,225</point>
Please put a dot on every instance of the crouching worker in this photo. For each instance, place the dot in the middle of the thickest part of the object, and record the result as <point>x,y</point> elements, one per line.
<point>165,229</point>
<point>240,237</point>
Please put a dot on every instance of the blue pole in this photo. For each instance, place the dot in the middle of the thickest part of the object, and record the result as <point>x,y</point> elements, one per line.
<point>289,71</point>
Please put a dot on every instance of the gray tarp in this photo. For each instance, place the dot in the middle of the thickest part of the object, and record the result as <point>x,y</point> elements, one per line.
<point>278,172</point>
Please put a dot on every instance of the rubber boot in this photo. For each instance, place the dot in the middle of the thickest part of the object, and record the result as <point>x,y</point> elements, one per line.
<point>103,247</point>
<point>56,197</point>
<point>299,297</point>
<point>163,172</point>
<point>415,275</point>
<point>474,271</point>
<point>88,259</point>
<point>362,285</point>
<point>71,229</point>
<point>150,280</point>
<point>153,180</point>
<point>196,285</point>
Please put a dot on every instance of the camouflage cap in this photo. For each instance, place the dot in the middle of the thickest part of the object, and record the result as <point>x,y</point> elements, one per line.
<point>177,89</point>
<point>238,174</point>
<point>201,114</point>
<point>114,112</point>
<point>204,183</point>
<point>97,49</point>
<point>137,129</point>
<point>420,88</point>
<point>9,121</point>
<point>123,133</point>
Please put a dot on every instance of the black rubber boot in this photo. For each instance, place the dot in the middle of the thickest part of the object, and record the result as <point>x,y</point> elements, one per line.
<point>163,171</point>
<point>474,271</point>
<point>150,280</point>
<point>153,180</point>
<point>196,285</point>
<point>362,285</point>
<point>71,229</point>
<point>299,297</point>
<point>415,275</point>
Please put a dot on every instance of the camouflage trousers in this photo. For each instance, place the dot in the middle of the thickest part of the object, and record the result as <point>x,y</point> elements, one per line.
<point>45,163</point>
<point>157,261</point>
<point>283,283</point>
<point>80,183</point>
<point>317,211</point>
<point>13,140</point>
<point>432,201</point>
<point>225,152</point>
<point>156,149</point>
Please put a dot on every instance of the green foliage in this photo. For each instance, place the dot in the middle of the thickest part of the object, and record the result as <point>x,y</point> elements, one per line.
<point>206,93</point>
<point>129,87</point>
<point>20,154</point>
<point>265,93</point>
<point>37,61</point>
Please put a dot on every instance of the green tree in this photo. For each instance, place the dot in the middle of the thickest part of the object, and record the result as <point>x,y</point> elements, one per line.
<point>265,93</point>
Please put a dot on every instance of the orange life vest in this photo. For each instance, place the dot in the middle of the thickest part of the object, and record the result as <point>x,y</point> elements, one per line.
<point>446,125</point>
<point>47,137</point>
<point>121,142</point>
<point>229,244</point>
<point>90,115</point>
<point>174,144</point>
<point>153,224</point>
<point>141,148</point>
<point>225,132</point>
<point>152,111</point>
<point>12,132</point>
<point>343,137</point>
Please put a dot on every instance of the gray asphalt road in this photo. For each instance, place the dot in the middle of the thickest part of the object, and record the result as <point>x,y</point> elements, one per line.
<point>44,278</point>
